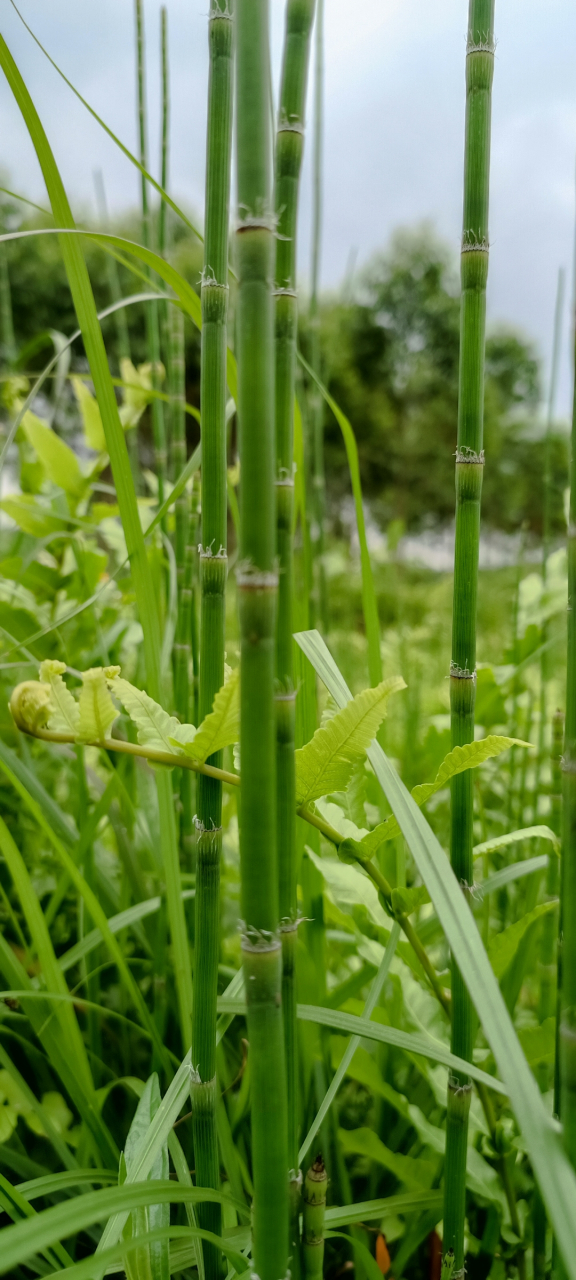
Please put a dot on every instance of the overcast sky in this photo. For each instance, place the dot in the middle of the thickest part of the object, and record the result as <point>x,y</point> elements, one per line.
<point>394,127</point>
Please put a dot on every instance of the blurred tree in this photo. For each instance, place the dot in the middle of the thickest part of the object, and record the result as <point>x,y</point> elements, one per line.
<point>391,362</point>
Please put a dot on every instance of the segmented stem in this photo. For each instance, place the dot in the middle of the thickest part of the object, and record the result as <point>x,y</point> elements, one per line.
<point>289,149</point>
<point>213,572</point>
<point>257,592</point>
<point>469,469</point>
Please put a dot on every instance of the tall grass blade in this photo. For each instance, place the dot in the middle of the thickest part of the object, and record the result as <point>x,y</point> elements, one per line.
<point>87,318</point>
<point>552,1170</point>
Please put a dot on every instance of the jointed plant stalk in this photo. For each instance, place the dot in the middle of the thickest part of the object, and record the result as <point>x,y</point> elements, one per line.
<point>289,149</point>
<point>257,591</point>
<point>152,323</point>
<point>469,468</point>
<point>213,569</point>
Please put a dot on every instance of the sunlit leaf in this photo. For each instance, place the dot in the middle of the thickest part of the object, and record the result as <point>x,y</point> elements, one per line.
<point>155,728</point>
<point>97,710</point>
<point>219,729</point>
<point>64,710</point>
<point>58,460</point>
<point>91,419</point>
<point>326,762</point>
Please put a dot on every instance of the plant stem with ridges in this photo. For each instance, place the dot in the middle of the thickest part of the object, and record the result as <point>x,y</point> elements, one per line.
<point>213,572</point>
<point>289,149</point>
<point>469,468</point>
<point>257,591</point>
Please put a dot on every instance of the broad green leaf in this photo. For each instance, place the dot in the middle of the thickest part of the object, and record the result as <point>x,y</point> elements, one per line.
<point>150,1260</point>
<point>408,900</point>
<point>539,1043</point>
<point>58,460</point>
<point>91,418</point>
<point>462,758</point>
<point>457,761</point>
<point>155,728</point>
<point>31,516</point>
<point>365,1142</point>
<point>555,1175</point>
<point>481,1179</point>
<point>349,888</point>
<point>509,951</point>
<point>515,837</point>
<point>136,391</point>
<point>9,1107</point>
<point>219,729</point>
<point>97,710</point>
<point>65,712</point>
<point>58,1113</point>
<point>326,762</point>
<point>503,945</point>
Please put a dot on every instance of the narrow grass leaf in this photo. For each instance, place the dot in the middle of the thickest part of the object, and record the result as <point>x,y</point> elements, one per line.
<point>554,1172</point>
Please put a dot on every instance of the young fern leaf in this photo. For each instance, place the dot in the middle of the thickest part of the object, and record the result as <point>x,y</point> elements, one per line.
<point>457,761</point>
<point>220,728</point>
<point>97,710</point>
<point>91,419</point>
<point>155,728</point>
<point>64,711</point>
<point>326,762</point>
<point>59,461</point>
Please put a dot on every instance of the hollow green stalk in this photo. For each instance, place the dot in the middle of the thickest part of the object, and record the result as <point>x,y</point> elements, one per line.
<point>289,149</point>
<point>469,468</point>
<point>152,322</point>
<point>315,1185</point>
<point>257,590</point>
<point>316,406</point>
<point>185,553</point>
<point>213,570</point>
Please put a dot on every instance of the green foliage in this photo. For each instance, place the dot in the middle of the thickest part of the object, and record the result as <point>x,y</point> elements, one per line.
<point>392,362</point>
<point>325,763</point>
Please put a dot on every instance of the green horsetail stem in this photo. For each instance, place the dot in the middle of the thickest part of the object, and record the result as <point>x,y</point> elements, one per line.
<point>185,554</point>
<point>315,1185</point>
<point>152,323</point>
<point>213,571</point>
<point>257,582</point>
<point>289,149</point>
<point>469,468</point>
